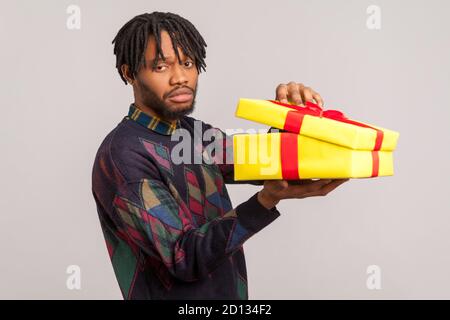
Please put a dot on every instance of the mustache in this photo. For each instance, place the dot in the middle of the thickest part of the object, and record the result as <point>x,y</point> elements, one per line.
<point>175,89</point>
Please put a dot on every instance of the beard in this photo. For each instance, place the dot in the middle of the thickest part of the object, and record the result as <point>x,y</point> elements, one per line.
<point>163,110</point>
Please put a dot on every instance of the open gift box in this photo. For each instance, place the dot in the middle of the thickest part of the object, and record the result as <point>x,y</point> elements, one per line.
<point>284,155</point>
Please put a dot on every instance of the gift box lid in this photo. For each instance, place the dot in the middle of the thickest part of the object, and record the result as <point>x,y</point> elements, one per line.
<point>311,120</point>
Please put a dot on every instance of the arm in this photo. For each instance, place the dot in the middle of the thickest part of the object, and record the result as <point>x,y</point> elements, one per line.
<point>148,213</point>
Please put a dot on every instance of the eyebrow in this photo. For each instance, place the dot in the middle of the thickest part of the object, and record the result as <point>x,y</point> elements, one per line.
<point>168,58</point>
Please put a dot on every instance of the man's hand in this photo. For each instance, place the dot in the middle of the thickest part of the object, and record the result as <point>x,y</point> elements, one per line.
<point>297,93</point>
<point>276,190</point>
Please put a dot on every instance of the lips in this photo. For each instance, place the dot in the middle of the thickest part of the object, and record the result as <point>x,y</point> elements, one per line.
<point>181,95</point>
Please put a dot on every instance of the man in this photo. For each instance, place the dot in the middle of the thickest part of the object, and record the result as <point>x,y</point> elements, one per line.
<point>170,228</point>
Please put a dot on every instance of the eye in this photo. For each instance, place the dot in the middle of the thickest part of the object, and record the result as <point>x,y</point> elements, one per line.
<point>187,62</point>
<point>160,67</point>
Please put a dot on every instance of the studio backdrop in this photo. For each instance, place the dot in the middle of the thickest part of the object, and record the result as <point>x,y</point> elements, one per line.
<point>383,62</point>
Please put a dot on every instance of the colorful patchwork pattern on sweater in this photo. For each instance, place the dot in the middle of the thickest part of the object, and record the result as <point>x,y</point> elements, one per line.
<point>169,225</point>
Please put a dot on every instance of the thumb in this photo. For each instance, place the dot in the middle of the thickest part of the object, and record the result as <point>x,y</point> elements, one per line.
<point>281,185</point>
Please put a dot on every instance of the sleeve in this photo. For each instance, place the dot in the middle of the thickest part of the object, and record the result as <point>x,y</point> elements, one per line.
<point>154,219</point>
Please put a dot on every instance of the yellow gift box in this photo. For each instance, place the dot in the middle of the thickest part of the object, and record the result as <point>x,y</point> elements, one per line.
<point>290,156</point>
<point>330,125</point>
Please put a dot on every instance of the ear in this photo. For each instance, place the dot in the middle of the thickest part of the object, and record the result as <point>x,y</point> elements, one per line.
<point>125,69</point>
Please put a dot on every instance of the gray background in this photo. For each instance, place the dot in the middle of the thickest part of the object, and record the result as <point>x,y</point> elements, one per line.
<point>60,95</point>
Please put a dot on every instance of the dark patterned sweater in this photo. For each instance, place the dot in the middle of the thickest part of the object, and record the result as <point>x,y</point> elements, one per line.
<point>170,229</point>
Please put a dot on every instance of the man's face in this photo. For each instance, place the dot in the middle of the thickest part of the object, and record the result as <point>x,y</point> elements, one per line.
<point>155,89</point>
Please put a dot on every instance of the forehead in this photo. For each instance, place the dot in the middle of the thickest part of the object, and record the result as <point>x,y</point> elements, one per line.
<point>166,47</point>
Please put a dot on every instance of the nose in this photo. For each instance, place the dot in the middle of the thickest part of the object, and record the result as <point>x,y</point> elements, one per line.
<point>178,75</point>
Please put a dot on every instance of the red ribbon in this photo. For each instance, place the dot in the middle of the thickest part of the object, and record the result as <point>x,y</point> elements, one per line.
<point>289,156</point>
<point>293,123</point>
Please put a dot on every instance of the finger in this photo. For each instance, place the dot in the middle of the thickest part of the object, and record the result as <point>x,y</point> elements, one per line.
<point>318,99</point>
<point>327,188</point>
<point>282,93</point>
<point>276,185</point>
<point>294,93</point>
<point>281,184</point>
<point>332,185</point>
<point>296,191</point>
<point>307,94</point>
<point>301,181</point>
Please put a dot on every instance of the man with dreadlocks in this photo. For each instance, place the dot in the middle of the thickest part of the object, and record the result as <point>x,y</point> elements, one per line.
<point>170,228</point>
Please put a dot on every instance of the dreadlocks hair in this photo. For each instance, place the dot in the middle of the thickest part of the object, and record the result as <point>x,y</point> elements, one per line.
<point>131,40</point>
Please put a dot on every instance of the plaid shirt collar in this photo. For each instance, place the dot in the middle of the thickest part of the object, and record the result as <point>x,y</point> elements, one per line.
<point>152,122</point>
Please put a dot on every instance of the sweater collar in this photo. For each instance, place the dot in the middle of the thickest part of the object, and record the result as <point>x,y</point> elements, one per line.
<point>152,122</point>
